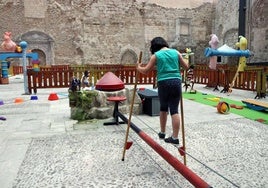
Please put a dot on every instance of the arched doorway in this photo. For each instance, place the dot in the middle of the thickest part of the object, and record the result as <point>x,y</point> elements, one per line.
<point>129,57</point>
<point>41,43</point>
<point>41,56</point>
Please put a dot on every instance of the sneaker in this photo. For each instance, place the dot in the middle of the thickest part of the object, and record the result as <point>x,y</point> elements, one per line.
<point>171,140</point>
<point>161,135</point>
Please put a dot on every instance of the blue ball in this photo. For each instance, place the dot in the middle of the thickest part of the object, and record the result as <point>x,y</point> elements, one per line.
<point>23,44</point>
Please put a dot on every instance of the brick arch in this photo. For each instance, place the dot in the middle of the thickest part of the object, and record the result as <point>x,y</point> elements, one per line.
<point>128,57</point>
<point>42,43</point>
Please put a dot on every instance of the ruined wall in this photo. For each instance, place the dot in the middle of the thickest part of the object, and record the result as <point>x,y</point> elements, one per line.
<point>226,27</point>
<point>258,30</point>
<point>100,31</point>
<point>183,28</point>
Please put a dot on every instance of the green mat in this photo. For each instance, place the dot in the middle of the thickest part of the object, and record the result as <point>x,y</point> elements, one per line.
<point>212,100</point>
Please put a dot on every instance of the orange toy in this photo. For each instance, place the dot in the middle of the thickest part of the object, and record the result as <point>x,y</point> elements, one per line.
<point>223,107</point>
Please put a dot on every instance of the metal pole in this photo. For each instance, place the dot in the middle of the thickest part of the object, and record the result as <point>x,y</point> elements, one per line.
<point>242,18</point>
<point>23,46</point>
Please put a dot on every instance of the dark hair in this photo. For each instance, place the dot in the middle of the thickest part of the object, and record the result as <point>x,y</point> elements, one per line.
<point>86,73</point>
<point>157,44</point>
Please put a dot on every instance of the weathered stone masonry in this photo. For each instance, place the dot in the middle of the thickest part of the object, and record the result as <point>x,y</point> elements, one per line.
<point>100,31</point>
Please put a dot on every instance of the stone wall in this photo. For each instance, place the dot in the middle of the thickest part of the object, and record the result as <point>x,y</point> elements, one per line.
<point>115,31</point>
<point>226,27</point>
<point>99,31</point>
<point>258,30</point>
<point>98,107</point>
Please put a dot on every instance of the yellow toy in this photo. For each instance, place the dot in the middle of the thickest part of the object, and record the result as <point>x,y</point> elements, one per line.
<point>242,45</point>
<point>223,107</point>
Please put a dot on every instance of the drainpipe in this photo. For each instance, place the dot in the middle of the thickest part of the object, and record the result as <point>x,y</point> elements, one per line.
<point>242,18</point>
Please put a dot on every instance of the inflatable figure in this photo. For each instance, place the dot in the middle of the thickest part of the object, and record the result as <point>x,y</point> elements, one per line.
<point>242,45</point>
<point>214,41</point>
<point>8,45</point>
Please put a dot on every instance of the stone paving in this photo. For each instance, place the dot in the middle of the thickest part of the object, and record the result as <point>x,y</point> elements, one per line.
<point>42,147</point>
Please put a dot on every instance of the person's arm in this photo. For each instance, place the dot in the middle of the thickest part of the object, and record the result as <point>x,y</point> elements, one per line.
<point>148,67</point>
<point>183,63</point>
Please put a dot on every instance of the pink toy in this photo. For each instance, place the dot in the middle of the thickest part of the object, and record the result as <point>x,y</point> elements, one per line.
<point>214,41</point>
<point>8,44</point>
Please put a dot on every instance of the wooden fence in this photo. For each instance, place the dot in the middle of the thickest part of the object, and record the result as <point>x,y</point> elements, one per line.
<point>58,76</point>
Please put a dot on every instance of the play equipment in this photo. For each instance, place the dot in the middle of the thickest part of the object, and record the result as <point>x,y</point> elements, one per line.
<point>53,97</point>
<point>188,58</point>
<point>32,55</point>
<point>116,100</point>
<point>33,97</point>
<point>3,118</point>
<point>109,82</point>
<point>18,100</point>
<point>4,63</point>
<point>223,107</point>
<point>12,50</point>
<point>194,179</point>
<point>261,69</point>
<point>214,99</point>
<point>256,105</point>
<point>131,109</point>
<point>24,55</point>
<point>236,106</point>
<point>35,63</point>
<point>225,50</point>
<point>214,41</point>
<point>182,150</point>
<point>4,72</point>
<point>8,44</point>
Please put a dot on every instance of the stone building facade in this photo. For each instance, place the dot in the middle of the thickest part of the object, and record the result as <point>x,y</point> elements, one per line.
<point>115,31</point>
<point>256,30</point>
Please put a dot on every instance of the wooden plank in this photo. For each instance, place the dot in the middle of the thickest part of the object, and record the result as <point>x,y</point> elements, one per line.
<point>257,103</point>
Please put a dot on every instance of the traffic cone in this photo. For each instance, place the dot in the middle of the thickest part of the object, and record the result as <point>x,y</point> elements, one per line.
<point>53,97</point>
<point>34,97</point>
<point>18,100</point>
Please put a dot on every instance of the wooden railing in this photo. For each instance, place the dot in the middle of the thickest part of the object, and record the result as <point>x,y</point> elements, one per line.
<point>224,75</point>
<point>48,79</point>
<point>60,76</point>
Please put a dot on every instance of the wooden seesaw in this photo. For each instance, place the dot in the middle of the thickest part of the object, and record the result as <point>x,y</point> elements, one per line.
<point>256,105</point>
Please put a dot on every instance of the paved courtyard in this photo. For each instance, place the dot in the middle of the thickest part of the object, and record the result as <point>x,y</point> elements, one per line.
<point>40,146</point>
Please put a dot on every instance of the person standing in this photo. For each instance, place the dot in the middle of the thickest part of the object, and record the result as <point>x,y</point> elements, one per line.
<point>167,62</point>
<point>190,78</point>
<point>85,79</point>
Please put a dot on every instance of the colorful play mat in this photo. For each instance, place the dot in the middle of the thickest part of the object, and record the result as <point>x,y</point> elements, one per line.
<point>237,107</point>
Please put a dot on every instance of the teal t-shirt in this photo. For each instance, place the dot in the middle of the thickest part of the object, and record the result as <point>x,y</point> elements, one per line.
<point>168,65</point>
